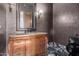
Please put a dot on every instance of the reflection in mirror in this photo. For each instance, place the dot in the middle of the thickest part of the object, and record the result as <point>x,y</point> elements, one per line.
<point>25,19</point>
<point>26,16</point>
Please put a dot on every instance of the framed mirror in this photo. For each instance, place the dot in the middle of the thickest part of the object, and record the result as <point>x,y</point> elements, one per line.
<point>26,19</point>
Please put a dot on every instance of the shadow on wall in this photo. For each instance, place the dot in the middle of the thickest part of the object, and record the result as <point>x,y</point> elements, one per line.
<point>2,44</point>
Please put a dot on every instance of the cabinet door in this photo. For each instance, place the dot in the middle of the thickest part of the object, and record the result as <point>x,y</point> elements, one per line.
<point>10,47</point>
<point>19,48</point>
<point>30,47</point>
<point>41,45</point>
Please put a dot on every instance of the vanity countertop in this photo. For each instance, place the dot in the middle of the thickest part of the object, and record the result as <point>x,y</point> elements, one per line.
<point>28,34</point>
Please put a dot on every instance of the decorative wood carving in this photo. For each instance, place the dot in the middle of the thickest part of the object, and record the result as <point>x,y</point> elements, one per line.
<point>32,45</point>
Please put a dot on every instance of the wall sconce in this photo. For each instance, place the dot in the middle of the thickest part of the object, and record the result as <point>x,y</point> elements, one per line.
<point>39,13</point>
<point>10,6</point>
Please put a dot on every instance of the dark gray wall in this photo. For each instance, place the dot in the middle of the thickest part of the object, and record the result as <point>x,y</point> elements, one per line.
<point>42,23</point>
<point>65,21</point>
<point>50,22</point>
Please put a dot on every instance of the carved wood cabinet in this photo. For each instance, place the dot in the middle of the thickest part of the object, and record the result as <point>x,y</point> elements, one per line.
<point>28,45</point>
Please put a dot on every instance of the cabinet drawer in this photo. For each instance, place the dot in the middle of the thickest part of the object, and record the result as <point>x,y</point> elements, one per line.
<point>19,47</point>
<point>22,38</point>
<point>19,42</point>
<point>19,51</point>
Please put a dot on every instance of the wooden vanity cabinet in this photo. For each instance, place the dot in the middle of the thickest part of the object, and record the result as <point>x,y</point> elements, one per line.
<point>29,45</point>
<point>16,46</point>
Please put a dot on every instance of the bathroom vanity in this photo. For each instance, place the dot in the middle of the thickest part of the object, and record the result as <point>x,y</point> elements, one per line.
<point>32,44</point>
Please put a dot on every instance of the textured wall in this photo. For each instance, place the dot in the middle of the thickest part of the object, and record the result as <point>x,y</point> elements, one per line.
<point>10,20</point>
<point>2,29</point>
<point>65,21</point>
<point>50,22</point>
<point>2,18</point>
<point>42,23</point>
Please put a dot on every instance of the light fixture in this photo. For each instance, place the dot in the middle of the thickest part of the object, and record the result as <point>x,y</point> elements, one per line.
<point>10,6</point>
<point>39,13</point>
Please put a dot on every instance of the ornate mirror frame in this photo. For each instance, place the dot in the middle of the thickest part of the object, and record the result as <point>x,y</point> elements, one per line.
<point>18,17</point>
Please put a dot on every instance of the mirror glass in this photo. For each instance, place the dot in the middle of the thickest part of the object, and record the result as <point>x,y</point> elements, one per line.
<point>26,16</point>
